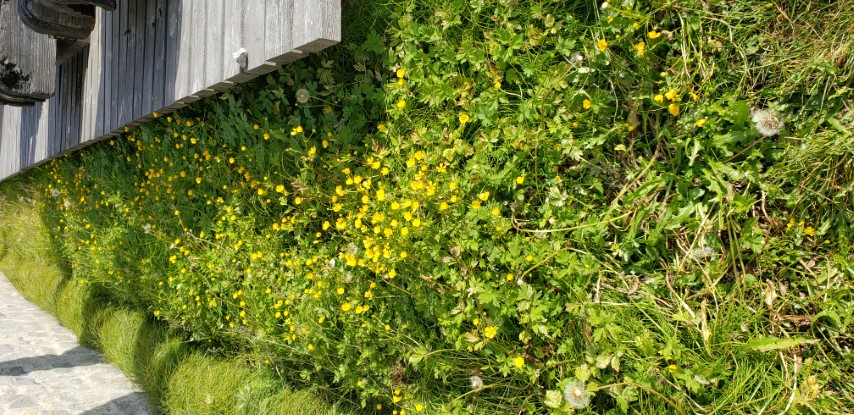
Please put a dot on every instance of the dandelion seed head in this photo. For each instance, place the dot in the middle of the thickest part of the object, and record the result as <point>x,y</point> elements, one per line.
<point>147,228</point>
<point>767,122</point>
<point>303,95</point>
<point>67,204</point>
<point>576,395</point>
<point>54,192</point>
<point>476,382</point>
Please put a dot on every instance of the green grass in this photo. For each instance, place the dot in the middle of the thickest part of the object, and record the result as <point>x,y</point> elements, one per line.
<point>527,194</point>
<point>179,376</point>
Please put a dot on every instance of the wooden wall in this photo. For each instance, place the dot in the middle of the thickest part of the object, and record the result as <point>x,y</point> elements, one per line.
<point>156,56</point>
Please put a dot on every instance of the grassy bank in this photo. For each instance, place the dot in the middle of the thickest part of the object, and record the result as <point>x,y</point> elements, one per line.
<point>180,377</point>
<point>504,207</point>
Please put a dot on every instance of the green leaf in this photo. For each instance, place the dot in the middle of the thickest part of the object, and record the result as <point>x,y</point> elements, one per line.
<point>553,399</point>
<point>771,343</point>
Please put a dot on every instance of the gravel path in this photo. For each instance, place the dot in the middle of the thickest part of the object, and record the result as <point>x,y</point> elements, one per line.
<point>44,371</point>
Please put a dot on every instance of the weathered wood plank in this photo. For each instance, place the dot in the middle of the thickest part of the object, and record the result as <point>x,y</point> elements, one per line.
<point>232,42</point>
<point>52,118</point>
<point>182,76</point>
<point>90,87</point>
<point>65,121</point>
<point>213,45</point>
<point>199,88</point>
<point>5,165</point>
<point>159,58</point>
<point>174,19</point>
<point>121,100</point>
<point>279,44</point>
<point>76,75</point>
<point>134,53</point>
<point>147,31</point>
<point>9,139</point>
<point>139,46</point>
<point>43,111</point>
<point>107,54</point>
<point>93,86</point>
<point>118,63</point>
<point>317,24</point>
<point>254,29</point>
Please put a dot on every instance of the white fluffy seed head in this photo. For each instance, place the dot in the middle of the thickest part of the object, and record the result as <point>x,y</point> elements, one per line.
<point>767,122</point>
<point>476,383</point>
<point>576,394</point>
<point>303,95</point>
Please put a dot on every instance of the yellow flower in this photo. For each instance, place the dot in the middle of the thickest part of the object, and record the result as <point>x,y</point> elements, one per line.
<point>653,34</point>
<point>297,200</point>
<point>673,109</point>
<point>266,136</point>
<point>519,362</point>
<point>280,189</point>
<point>475,204</point>
<point>490,332</point>
<point>496,212</point>
<point>443,206</point>
<point>497,85</point>
<point>640,47</point>
<point>602,44</point>
<point>400,73</point>
<point>483,196</point>
<point>520,179</point>
<point>658,98</point>
<point>419,407</point>
<point>346,306</point>
<point>809,231</point>
<point>464,118</point>
<point>671,94</point>
<point>701,122</point>
<point>401,104</point>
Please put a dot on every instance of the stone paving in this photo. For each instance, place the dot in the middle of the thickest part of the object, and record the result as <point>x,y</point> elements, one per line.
<point>43,371</point>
